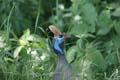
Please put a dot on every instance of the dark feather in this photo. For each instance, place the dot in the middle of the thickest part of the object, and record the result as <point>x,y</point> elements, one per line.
<point>63,69</point>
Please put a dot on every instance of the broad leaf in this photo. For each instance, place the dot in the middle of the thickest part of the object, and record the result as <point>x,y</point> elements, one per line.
<point>116,41</point>
<point>90,16</point>
<point>104,22</point>
<point>117,27</point>
<point>70,55</point>
<point>79,29</point>
<point>111,59</point>
<point>96,58</point>
<point>116,12</point>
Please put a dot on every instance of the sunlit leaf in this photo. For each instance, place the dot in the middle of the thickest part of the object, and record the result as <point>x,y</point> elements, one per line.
<point>23,42</point>
<point>33,37</point>
<point>17,51</point>
<point>9,59</point>
<point>26,34</point>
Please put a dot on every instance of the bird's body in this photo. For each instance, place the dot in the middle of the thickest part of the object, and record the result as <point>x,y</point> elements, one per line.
<point>63,69</point>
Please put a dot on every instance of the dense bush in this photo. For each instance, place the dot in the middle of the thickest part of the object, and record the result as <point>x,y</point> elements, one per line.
<point>25,51</point>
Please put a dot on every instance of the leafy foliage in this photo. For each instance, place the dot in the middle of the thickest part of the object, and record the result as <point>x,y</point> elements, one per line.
<point>25,43</point>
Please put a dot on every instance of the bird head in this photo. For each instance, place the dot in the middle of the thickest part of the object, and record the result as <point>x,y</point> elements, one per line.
<point>58,40</point>
<point>58,44</point>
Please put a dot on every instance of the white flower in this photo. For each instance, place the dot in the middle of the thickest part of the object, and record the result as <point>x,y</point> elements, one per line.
<point>67,15</point>
<point>37,58</point>
<point>29,50</point>
<point>61,6</point>
<point>117,71</point>
<point>43,57</point>
<point>85,74</point>
<point>2,44</point>
<point>34,53</point>
<point>77,18</point>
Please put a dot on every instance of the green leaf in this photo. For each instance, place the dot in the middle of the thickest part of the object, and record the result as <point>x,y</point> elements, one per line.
<point>76,5</point>
<point>103,31</point>
<point>33,37</point>
<point>26,34</point>
<point>17,51</point>
<point>111,59</point>
<point>24,39</point>
<point>104,22</point>
<point>117,27</point>
<point>88,22</point>
<point>89,14</point>
<point>116,13</point>
<point>8,59</point>
<point>25,55</point>
<point>70,55</point>
<point>116,41</point>
<point>96,58</point>
<point>96,1</point>
<point>81,43</point>
<point>79,29</point>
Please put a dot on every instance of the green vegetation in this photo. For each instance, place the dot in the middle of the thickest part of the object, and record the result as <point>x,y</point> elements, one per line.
<point>25,51</point>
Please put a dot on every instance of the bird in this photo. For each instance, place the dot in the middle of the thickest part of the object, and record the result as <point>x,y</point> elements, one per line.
<point>63,69</point>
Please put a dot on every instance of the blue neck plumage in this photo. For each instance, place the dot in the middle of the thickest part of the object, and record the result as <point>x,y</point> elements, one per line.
<point>58,45</point>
